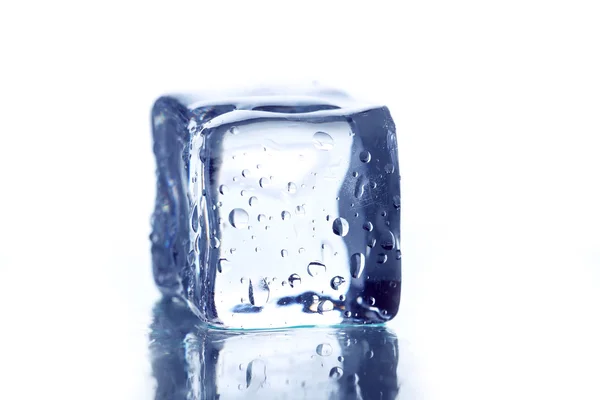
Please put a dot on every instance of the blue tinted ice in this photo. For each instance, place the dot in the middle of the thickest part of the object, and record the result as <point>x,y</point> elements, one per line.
<point>277,211</point>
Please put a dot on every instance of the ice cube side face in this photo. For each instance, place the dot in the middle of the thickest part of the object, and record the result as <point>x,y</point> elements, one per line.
<point>277,218</point>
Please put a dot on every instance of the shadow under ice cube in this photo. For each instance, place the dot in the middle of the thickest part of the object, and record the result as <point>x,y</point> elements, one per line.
<point>277,211</point>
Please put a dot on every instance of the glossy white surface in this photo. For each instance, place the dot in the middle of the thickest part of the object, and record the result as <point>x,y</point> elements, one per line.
<point>496,106</point>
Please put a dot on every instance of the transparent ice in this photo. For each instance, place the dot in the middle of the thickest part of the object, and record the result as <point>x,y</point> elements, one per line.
<point>193,361</point>
<point>277,211</point>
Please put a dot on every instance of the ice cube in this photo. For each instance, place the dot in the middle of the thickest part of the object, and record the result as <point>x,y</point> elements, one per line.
<point>277,211</point>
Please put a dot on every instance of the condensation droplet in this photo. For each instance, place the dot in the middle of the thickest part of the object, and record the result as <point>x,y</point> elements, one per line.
<point>253,201</point>
<point>195,219</point>
<point>301,250</point>
<point>246,173</point>
<point>322,141</point>
<point>389,168</point>
<point>256,374</point>
<point>291,187</point>
<point>355,174</point>
<point>238,218</point>
<point>371,301</point>
<point>316,268</point>
<point>357,264</point>
<point>359,190</point>
<point>284,253</point>
<point>234,130</point>
<point>262,218</point>
<point>336,373</point>
<point>347,314</point>
<point>398,254</point>
<point>324,350</point>
<point>396,201</point>
<point>263,182</point>
<point>257,249</point>
<point>381,258</point>
<point>325,306</point>
<point>368,226</point>
<point>294,279</point>
<point>364,156</point>
<point>336,282</point>
<point>285,215</point>
<point>223,265</point>
<point>369,354</point>
<point>371,242</point>
<point>387,241</point>
<point>215,243</point>
<point>340,226</point>
<point>300,210</point>
<point>258,294</point>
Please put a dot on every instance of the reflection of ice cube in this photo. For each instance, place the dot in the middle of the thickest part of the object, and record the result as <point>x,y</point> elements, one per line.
<point>198,362</point>
<point>255,194</point>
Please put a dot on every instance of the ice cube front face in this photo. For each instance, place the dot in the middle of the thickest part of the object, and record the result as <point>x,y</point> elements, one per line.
<point>277,211</point>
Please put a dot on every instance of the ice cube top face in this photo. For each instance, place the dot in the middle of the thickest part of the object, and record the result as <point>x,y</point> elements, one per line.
<point>278,214</point>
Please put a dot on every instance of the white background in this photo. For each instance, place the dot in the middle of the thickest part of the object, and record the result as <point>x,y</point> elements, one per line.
<point>497,105</point>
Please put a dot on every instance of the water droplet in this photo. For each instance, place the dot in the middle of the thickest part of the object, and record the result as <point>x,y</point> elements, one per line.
<point>384,213</point>
<point>291,187</point>
<point>336,282</point>
<point>396,201</point>
<point>355,174</point>
<point>367,226</point>
<point>252,201</point>
<point>195,219</point>
<point>285,215</point>
<point>324,349</point>
<point>325,306</point>
<point>258,294</point>
<point>388,241</point>
<point>224,265</point>
<point>381,258</point>
<point>340,226</point>
<point>342,297</point>
<point>371,301</point>
<point>340,358</point>
<point>359,190</point>
<point>301,250</point>
<point>364,156</point>
<point>336,373</point>
<point>235,178</point>
<point>232,250</point>
<point>294,279</point>
<point>373,184</point>
<point>370,354</point>
<point>256,373</point>
<point>246,173</point>
<point>322,141</point>
<point>234,130</point>
<point>347,314</point>
<point>238,218</point>
<point>316,268</point>
<point>215,243</point>
<point>263,182</point>
<point>262,217</point>
<point>389,168</point>
<point>357,264</point>
<point>300,210</point>
<point>371,242</point>
<point>398,254</point>
<point>284,253</point>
